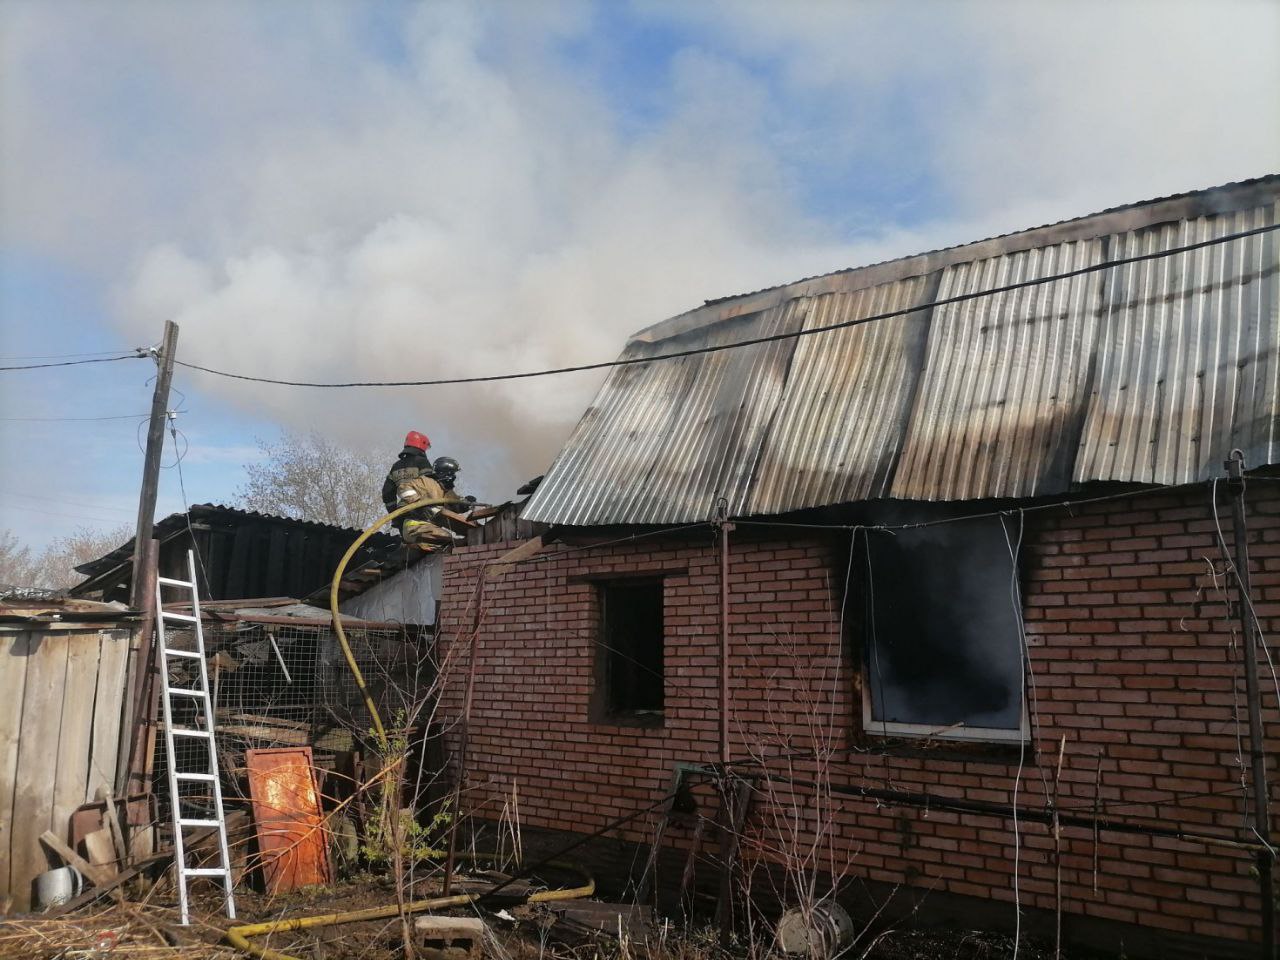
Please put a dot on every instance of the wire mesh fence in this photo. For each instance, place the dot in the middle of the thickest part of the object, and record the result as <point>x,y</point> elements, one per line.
<point>280,685</point>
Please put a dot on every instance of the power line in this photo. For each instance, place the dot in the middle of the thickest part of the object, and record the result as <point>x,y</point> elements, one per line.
<point>63,356</point>
<point>62,500</point>
<point>61,515</point>
<point>122,416</point>
<point>790,335</point>
<point>72,363</point>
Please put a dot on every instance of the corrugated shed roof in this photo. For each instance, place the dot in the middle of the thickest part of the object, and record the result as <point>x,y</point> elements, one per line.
<point>1148,373</point>
<point>175,522</point>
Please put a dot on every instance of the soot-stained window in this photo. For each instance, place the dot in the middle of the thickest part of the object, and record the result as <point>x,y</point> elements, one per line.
<point>629,656</point>
<point>942,651</point>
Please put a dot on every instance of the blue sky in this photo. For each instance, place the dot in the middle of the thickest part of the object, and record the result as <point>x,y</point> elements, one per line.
<point>390,190</point>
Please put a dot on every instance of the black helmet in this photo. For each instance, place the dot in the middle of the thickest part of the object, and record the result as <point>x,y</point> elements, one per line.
<point>447,465</point>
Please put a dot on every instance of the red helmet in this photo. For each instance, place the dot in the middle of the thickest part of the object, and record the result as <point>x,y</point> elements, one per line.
<point>416,439</point>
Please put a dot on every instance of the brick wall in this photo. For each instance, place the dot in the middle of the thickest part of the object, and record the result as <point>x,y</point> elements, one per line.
<point>1132,667</point>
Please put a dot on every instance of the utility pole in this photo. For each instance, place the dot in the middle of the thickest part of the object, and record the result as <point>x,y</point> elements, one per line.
<point>151,463</point>
<point>1257,756</point>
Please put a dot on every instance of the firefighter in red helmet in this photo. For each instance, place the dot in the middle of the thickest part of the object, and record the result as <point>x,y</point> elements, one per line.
<point>412,477</point>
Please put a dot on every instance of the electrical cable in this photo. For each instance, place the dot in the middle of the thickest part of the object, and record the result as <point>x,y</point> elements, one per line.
<point>186,507</point>
<point>60,514</point>
<point>62,356</point>
<point>1007,512</point>
<point>122,416</point>
<point>91,504</point>
<point>772,338</point>
<point>1235,572</point>
<point>1023,664</point>
<point>76,363</point>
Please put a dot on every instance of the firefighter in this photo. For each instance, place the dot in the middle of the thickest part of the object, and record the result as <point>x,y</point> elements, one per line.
<point>412,477</point>
<point>446,471</point>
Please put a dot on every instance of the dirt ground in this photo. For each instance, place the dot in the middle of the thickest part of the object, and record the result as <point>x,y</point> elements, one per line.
<point>149,931</point>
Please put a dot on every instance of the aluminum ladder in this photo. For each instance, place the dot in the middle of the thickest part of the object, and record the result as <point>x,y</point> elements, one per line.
<point>199,735</point>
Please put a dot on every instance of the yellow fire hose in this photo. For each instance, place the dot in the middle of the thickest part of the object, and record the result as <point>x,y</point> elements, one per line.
<point>239,936</point>
<point>337,617</point>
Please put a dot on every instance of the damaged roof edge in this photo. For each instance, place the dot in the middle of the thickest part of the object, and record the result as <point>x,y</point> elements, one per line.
<point>1209,201</point>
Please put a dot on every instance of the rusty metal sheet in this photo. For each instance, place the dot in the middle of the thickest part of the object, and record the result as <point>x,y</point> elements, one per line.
<point>292,841</point>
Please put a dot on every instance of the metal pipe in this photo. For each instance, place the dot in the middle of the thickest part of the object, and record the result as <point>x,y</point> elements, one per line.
<point>725,528</point>
<point>1257,754</point>
<point>728,839</point>
<point>464,735</point>
<point>1030,814</point>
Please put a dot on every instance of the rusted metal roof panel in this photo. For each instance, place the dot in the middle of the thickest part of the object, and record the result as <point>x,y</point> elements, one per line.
<point>1187,355</point>
<point>1147,373</point>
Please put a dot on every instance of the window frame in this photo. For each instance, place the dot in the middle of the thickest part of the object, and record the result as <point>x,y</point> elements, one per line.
<point>601,709</point>
<point>956,733</point>
<point>926,731</point>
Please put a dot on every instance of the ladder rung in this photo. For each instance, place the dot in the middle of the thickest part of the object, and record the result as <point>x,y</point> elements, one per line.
<point>171,652</point>
<point>188,732</point>
<point>202,777</point>
<point>184,692</point>
<point>170,582</point>
<point>205,872</point>
<point>184,617</point>
<point>199,823</point>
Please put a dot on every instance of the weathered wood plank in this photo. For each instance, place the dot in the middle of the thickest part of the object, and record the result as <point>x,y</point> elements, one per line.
<point>100,876</point>
<point>15,648</point>
<point>75,740</point>
<point>37,761</point>
<point>108,709</point>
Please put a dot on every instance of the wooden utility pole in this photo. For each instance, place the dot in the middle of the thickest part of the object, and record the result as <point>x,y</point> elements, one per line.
<point>1257,755</point>
<point>151,463</point>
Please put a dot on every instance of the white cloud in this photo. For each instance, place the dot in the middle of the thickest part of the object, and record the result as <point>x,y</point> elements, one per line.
<point>307,210</point>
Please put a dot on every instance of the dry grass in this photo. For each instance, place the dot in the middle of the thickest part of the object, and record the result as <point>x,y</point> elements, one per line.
<point>120,932</point>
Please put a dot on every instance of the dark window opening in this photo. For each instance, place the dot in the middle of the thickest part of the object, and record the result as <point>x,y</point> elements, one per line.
<point>943,650</point>
<point>630,649</point>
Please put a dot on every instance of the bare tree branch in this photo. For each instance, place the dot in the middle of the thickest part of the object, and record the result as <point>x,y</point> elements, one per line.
<point>309,477</point>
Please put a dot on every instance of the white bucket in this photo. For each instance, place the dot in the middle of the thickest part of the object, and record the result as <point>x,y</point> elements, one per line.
<point>821,933</point>
<point>57,886</point>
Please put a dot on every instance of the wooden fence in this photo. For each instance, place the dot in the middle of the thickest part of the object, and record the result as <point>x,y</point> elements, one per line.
<point>62,690</point>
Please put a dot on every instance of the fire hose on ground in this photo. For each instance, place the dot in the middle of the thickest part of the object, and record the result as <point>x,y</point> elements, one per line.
<point>239,936</point>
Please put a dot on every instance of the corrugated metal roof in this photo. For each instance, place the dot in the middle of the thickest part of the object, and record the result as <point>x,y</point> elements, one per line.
<point>1186,357</point>
<point>1003,390</point>
<point>1148,373</point>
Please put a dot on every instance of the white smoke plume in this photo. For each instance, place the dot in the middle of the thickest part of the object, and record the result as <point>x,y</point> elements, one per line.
<point>468,191</point>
